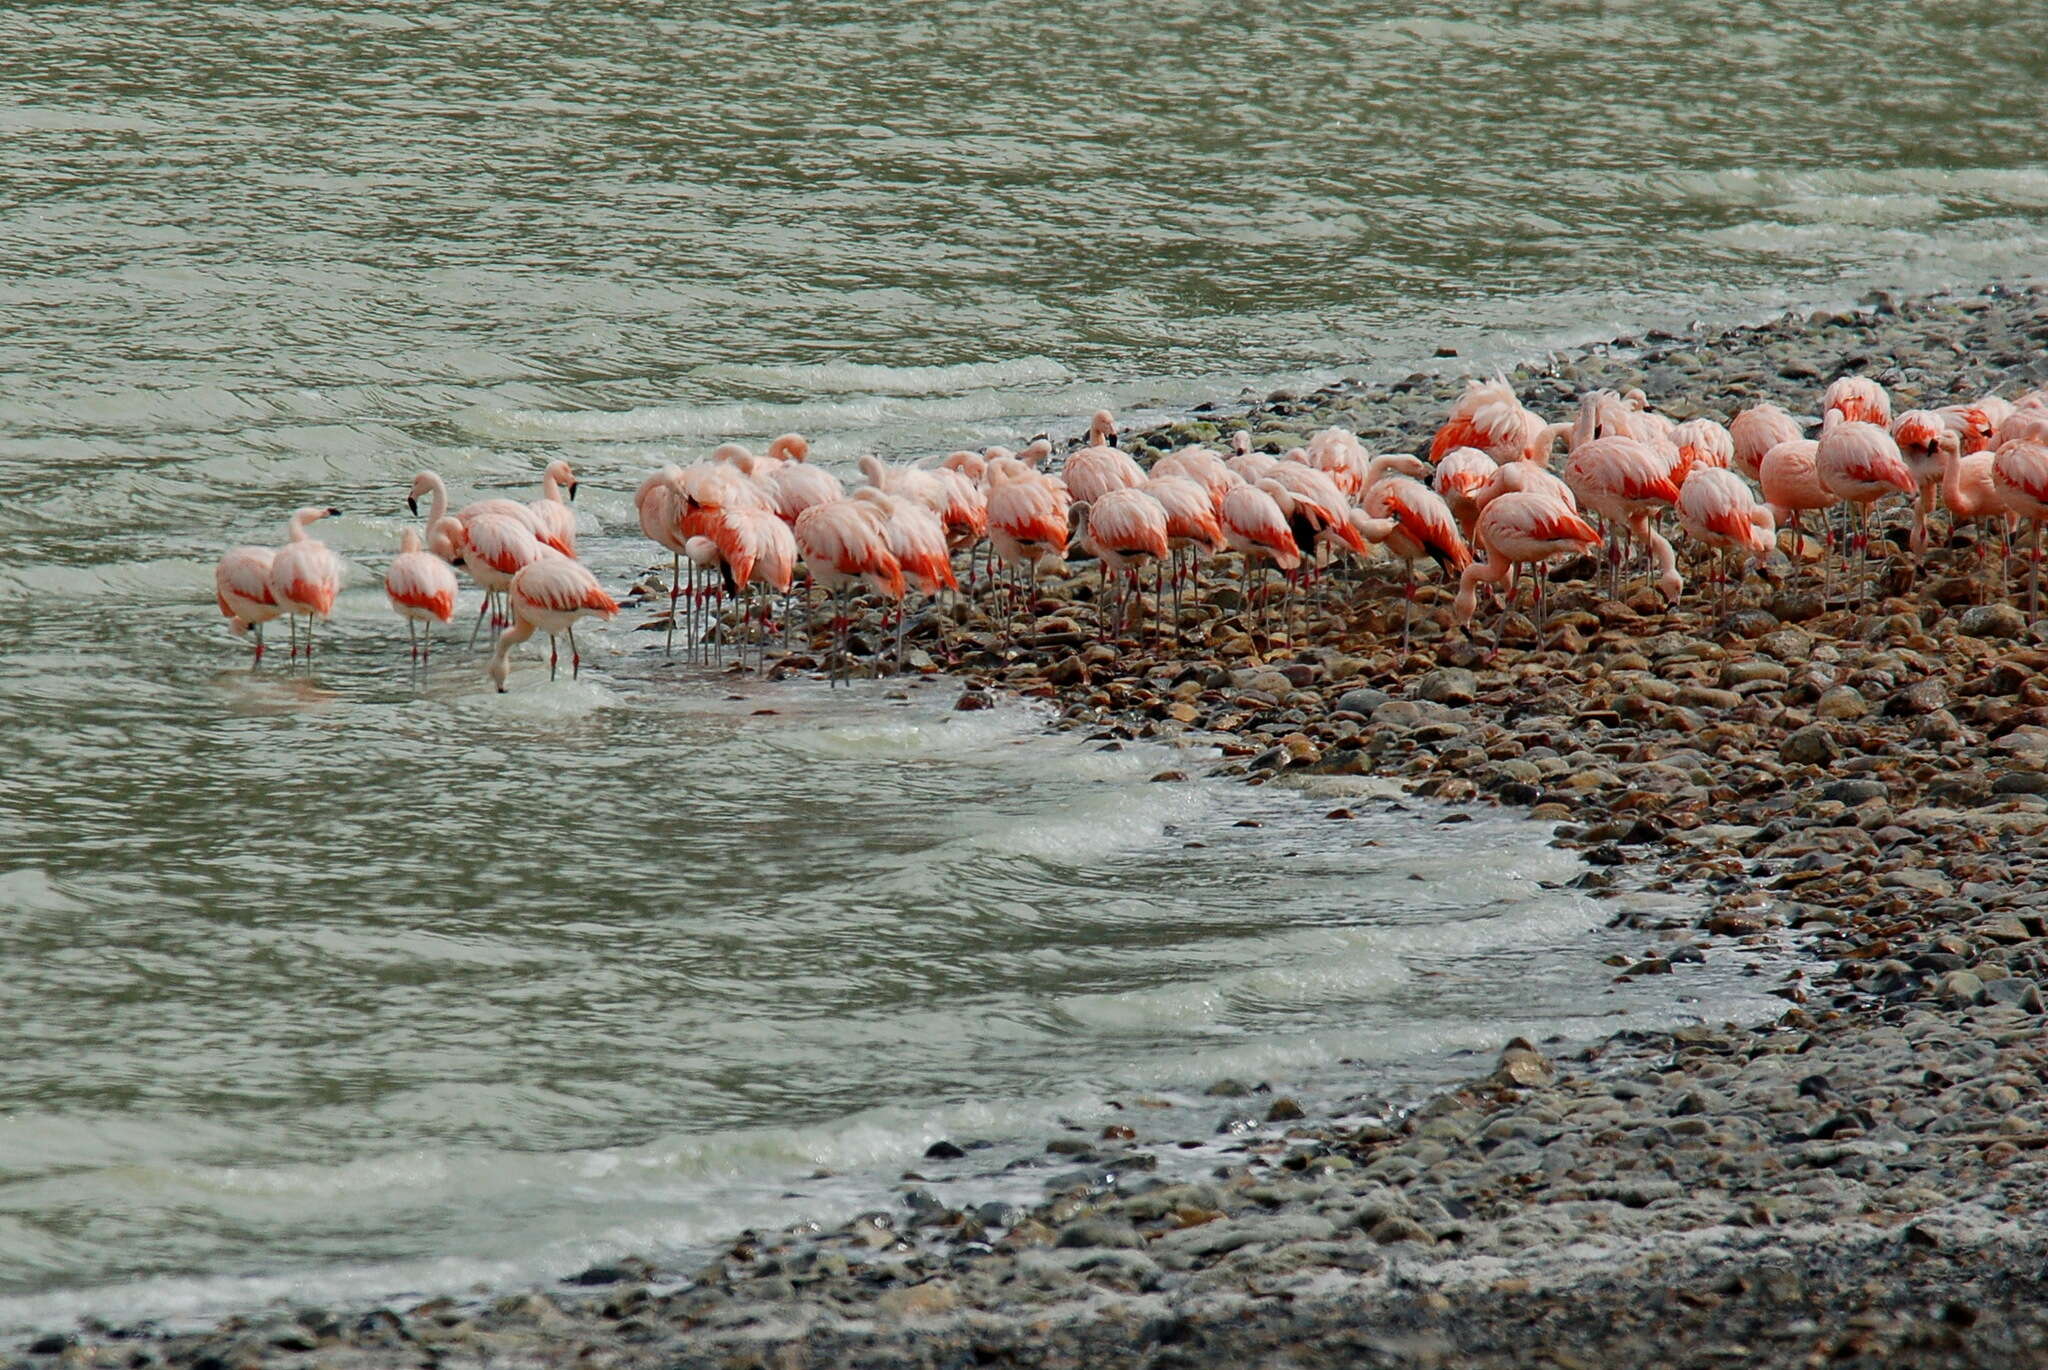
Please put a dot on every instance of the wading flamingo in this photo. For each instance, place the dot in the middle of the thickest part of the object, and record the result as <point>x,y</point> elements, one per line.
<point>549,595</point>
<point>421,588</point>
<point>1791,484</point>
<point>241,586</point>
<point>1859,461</point>
<point>844,544</point>
<point>1716,508</point>
<point>1625,482</point>
<point>1254,521</point>
<point>305,576</point>
<point>495,548</point>
<point>554,522</point>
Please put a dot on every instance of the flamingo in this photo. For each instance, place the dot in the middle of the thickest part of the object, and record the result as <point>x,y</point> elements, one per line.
<point>1027,517</point>
<point>435,490</point>
<point>846,543</point>
<point>421,588</point>
<point>549,594</point>
<point>1488,416</point>
<point>1124,530</point>
<point>1201,466</point>
<point>1422,525</point>
<point>2019,470</point>
<point>1520,528</point>
<point>1976,424</point>
<point>1255,525</point>
<point>1756,431</point>
<point>659,502</point>
<point>1192,528</point>
<point>554,523</point>
<point>1859,461</point>
<point>2029,424</point>
<point>1701,442</point>
<point>1923,436</point>
<point>917,539</point>
<point>1860,399</point>
<point>1716,508</point>
<point>1096,470</point>
<point>1319,510</point>
<point>1969,487</point>
<point>305,576</point>
<point>1791,484</point>
<point>1246,464</point>
<point>1460,474</point>
<point>1624,481</point>
<point>494,549</point>
<point>241,586</point>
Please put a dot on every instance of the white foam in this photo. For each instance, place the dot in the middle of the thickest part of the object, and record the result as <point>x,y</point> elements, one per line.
<point>836,378</point>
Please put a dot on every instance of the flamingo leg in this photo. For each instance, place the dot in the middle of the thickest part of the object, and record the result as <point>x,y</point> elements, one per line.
<point>412,634</point>
<point>575,657</point>
<point>675,592</point>
<point>553,656</point>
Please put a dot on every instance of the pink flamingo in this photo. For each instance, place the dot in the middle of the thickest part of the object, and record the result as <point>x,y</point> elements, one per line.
<point>241,586</point>
<point>431,486</point>
<point>1247,465</point>
<point>1124,530</point>
<point>1193,531</point>
<point>1460,474</point>
<point>1099,468</point>
<point>549,595</point>
<point>2019,470</point>
<point>495,547</point>
<point>1861,400</point>
<point>1422,526</point>
<point>1027,517</point>
<point>1625,482</point>
<point>917,539</point>
<point>2029,424</point>
<point>1320,513</point>
<point>1969,487</point>
<point>1756,431</point>
<point>305,576</point>
<point>1791,483</point>
<point>845,544</point>
<point>1859,461</point>
<point>554,523</point>
<point>1204,468</point>
<point>1923,436</point>
<point>1716,508</point>
<point>1490,417</point>
<point>1255,525</point>
<point>1976,424</point>
<point>1701,442</point>
<point>659,502</point>
<point>1520,528</point>
<point>421,588</point>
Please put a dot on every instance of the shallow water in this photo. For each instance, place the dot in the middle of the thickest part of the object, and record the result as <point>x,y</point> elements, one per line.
<point>360,978</point>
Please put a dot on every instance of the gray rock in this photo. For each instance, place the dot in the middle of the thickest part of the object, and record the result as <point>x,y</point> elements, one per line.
<point>2021,782</point>
<point>1809,746</point>
<point>1960,987</point>
<point>1921,697</point>
<point>1854,792</point>
<point>1843,701</point>
<point>1993,620</point>
<point>2016,990</point>
<point>1448,685</point>
<point>1361,701</point>
<point>1100,1232</point>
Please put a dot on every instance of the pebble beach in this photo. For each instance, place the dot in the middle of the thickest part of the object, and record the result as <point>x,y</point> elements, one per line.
<point>1860,779</point>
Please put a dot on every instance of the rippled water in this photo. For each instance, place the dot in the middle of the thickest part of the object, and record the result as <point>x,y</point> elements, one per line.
<point>359,978</point>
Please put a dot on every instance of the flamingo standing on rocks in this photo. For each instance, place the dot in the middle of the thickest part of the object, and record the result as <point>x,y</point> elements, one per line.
<point>1969,487</point>
<point>1791,485</point>
<point>1488,416</point>
<point>843,544</point>
<point>1192,528</point>
<point>421,588</point>
<point>1027,518</point>
<point>917,539</point>
<point>1096,470</point>
<point>1125,530</point>
<point>241,586</point>
<point>549,595</point>
<point>554,523</point>
<point>1923,436</point>
<point>1254,520</point>
<point>1521,528</point>
<point>2019,471</point>
<point>659,502</point>
<point>305,576</point>
<point>1716,508</point>
<point>1624,482</point>
<point>1757,430</point>
<point>1858,460</point>
<point>1422,525</point>
<point>1860,400</point>
<point>1460,474</point>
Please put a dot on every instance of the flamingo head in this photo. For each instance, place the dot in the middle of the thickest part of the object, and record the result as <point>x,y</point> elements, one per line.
<point>1102,429</point>
<point>422,484</point>
<point>563,476</point>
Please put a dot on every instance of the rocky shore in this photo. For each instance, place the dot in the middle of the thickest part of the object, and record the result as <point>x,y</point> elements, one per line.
<point>1862,1180</point>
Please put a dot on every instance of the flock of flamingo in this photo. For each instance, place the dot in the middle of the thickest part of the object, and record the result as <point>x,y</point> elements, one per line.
<point>746,523</point>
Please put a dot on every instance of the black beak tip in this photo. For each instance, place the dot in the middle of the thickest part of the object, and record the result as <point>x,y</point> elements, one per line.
<point>572,491</point>
<point>412,505</point>
<point>333,512</point>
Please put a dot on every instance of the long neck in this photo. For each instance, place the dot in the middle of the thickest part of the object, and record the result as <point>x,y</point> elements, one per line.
<point>299,522</point>
<point>437,498</point>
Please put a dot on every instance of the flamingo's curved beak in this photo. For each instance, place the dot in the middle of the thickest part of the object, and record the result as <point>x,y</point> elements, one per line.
<point>412,504</point>
<point>333,513</point>
<point>572,492</point>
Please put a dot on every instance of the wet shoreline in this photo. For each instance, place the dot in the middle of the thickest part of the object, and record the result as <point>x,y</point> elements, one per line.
<point>1861,1177</point>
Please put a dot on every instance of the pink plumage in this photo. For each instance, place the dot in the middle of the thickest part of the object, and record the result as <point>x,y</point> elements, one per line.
<point>420,586</point>
<point>1124,529</point>
<point>1756,431</point>
<point>1859,399</point>
<point>1254,524</point>
<point>1516,529</point>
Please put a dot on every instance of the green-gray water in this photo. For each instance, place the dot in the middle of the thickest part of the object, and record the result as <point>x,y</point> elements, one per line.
<point>361,980</point>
